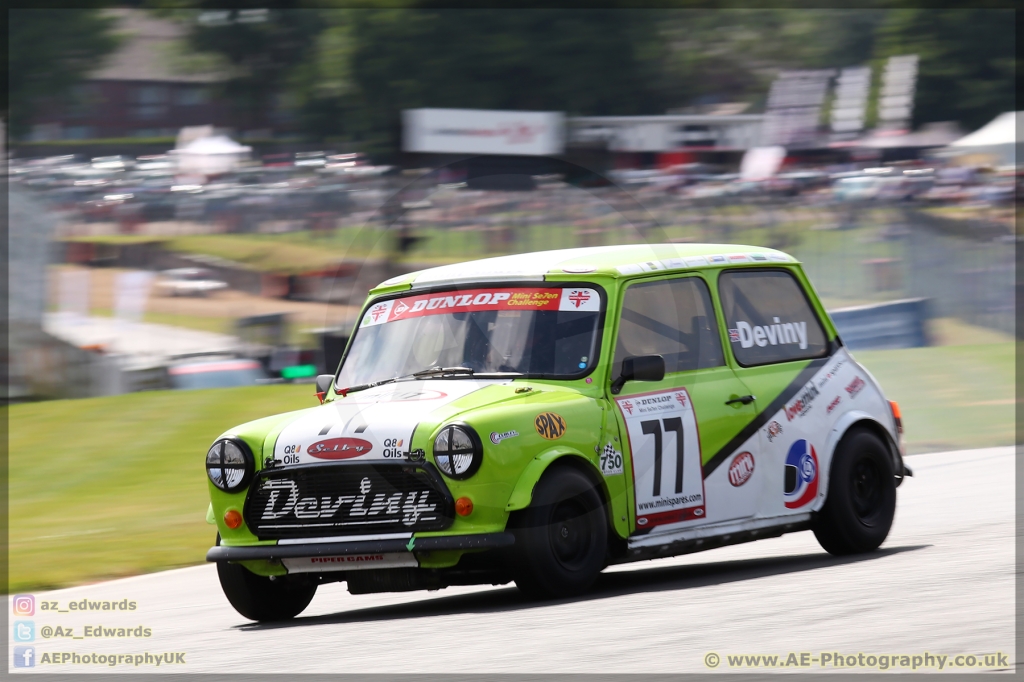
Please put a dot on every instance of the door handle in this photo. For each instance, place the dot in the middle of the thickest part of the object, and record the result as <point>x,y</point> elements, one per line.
<point>744,399</point>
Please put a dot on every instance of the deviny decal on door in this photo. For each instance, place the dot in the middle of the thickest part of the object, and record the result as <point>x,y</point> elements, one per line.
<point>667,477</point>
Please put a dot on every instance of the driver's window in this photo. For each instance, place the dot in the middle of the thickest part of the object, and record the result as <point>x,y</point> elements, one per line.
<point>671,318</point>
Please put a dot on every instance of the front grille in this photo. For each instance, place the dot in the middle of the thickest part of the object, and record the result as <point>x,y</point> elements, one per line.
<point>317,500</point>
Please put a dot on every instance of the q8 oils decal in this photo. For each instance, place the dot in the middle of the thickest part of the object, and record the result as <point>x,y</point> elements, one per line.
<point>667,475</point>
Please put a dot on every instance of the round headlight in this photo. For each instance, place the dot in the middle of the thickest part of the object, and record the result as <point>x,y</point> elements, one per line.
<point>458,451</point>
<point>229,464</point>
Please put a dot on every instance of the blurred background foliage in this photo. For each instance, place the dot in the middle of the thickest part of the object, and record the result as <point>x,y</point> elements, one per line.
<point>347,73</point>
<point>49,51</point>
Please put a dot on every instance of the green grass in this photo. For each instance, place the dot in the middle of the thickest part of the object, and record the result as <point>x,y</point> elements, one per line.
<point>951,397</point>
<point>267,253</point>
<point>218,325</point>
<point>108,487</point>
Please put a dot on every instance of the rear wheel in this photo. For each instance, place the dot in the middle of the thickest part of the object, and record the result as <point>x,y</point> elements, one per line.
<point>861,502</point>
<point>264,599</point>
<point>561,538</point>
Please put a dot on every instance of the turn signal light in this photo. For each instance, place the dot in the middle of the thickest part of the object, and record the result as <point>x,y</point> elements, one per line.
<point>232,519</point>
<point>463,506</point>
<point>894,406</point>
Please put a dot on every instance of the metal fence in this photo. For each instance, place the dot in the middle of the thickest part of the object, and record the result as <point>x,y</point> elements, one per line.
<point>854,252</point>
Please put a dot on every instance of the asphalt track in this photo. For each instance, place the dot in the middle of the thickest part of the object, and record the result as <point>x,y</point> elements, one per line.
<point>942,583</point>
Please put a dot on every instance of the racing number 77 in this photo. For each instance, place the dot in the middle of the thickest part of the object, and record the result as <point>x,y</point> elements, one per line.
<point>653,427</point>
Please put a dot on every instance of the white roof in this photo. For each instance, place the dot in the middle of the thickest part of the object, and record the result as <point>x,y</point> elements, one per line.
<point>1001,130</point>
<point>528,266</point>
<point>625,259</point>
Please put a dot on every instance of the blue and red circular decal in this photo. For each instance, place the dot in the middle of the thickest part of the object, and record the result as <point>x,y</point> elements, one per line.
<point>801,474</point>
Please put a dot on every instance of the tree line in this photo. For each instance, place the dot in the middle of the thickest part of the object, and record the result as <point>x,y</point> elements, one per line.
<point>345,75</point>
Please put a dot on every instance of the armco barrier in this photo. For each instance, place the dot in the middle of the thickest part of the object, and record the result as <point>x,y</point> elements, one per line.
<point>896,324</point>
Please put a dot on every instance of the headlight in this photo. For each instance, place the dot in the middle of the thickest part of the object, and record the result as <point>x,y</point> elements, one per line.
<point>458,451</point>
<point>229,464</point>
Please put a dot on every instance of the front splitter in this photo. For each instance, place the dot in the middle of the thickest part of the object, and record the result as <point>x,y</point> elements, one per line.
<point>429,544</point>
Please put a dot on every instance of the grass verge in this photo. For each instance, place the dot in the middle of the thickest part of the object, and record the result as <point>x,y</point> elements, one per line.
<point>108,487</point>
<point>951,397</point>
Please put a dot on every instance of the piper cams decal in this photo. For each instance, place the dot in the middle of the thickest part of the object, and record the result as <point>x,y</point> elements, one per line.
<point>374,424</point>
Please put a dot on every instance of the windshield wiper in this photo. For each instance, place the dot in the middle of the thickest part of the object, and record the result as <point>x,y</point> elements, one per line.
<point>362,387</point>
<point>429,372</point>
<point>441,371</point>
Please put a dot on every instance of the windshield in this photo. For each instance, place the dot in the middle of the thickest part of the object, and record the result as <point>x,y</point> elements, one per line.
<point>537,332</point>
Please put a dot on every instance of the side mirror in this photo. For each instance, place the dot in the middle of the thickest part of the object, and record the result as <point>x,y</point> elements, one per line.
<point>323,385</point>
<point>640,368</point>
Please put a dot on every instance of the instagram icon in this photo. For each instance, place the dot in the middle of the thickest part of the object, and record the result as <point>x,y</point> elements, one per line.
<point>24,604</point>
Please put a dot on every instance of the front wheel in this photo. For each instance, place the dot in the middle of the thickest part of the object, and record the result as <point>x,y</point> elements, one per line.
<point>861,502</point>
<point>264,599</point>
<point>561,538</point>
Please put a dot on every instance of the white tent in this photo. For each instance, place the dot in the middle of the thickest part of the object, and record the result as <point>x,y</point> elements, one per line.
<point>996,139</point>
<point>211,155</point>
<point>761,163</point>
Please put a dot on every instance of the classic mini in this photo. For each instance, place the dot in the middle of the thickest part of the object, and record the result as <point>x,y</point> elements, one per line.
<point>537,418</point>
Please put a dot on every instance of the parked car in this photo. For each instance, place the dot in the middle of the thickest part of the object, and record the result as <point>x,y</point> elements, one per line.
<point>188,282</point>
<point>535,418</point>
<point>216,373</point>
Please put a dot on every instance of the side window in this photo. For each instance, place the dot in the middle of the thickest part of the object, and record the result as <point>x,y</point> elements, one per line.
<point>769,318</point>
<point>673,319</point>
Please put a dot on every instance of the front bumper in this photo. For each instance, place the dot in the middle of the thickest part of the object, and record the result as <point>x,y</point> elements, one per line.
<point>315,549</point>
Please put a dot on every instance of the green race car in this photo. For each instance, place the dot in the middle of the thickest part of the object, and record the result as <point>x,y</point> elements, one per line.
<point>536,418</point>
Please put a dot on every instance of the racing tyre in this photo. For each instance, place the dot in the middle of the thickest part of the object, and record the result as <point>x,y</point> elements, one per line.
<point>861,500</point>
<point>561,538</point>
<point>262,599</point>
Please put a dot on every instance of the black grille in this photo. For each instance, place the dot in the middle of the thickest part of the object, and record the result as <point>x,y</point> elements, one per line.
<point>317,500</point>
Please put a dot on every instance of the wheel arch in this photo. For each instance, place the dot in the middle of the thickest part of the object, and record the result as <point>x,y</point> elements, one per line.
<point>857,419</point>
<point>522,494</point>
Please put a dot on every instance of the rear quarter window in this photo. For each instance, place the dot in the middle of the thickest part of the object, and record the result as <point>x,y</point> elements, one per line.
<point>769,318</point>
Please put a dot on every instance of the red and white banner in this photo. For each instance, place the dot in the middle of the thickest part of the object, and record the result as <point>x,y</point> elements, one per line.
<point>475,300</point>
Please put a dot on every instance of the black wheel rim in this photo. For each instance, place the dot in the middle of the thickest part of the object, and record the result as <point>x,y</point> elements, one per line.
<point>569,534</point>
<point>866,490</point>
